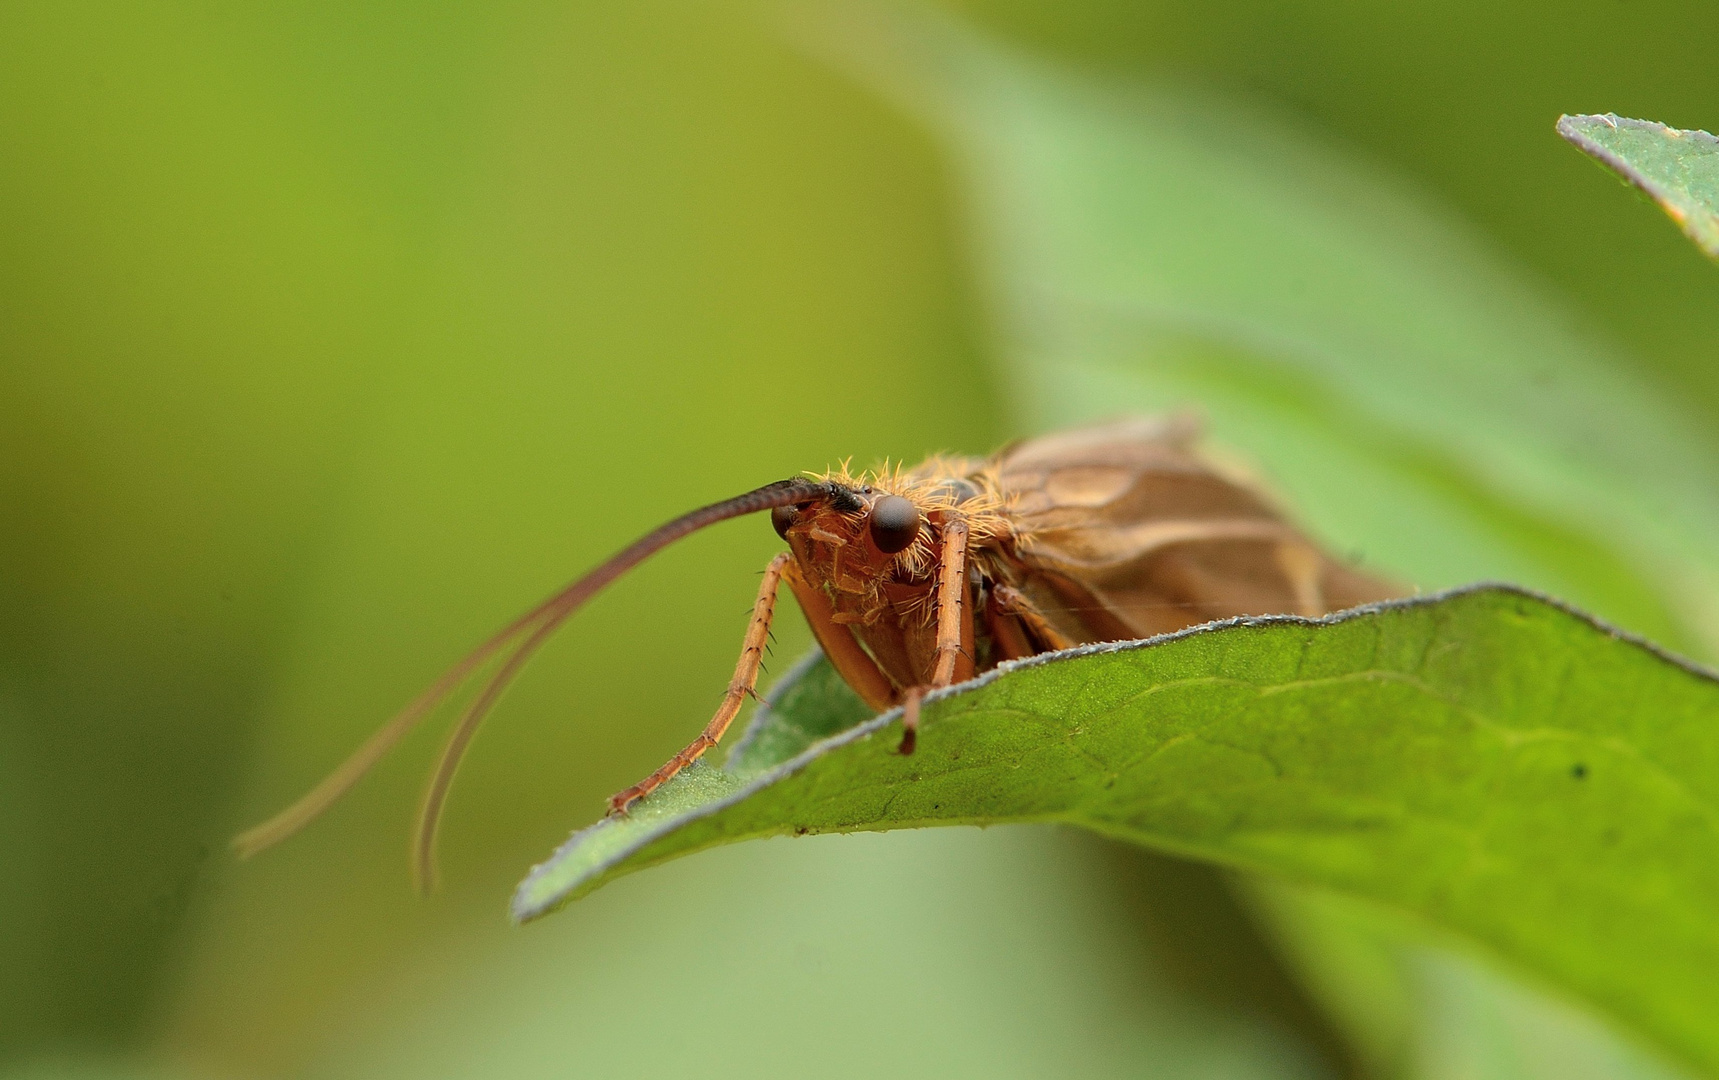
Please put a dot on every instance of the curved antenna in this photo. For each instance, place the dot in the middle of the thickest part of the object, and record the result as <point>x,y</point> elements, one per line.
<point>529,631</point>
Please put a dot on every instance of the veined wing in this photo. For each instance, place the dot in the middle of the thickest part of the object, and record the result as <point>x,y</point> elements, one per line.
<point>1125,530</point>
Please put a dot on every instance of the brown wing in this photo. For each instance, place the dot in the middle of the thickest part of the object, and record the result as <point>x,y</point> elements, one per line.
<point>1126,532</point>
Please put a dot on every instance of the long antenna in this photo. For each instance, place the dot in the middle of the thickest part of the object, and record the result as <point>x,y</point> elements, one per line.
<point>525,634</point>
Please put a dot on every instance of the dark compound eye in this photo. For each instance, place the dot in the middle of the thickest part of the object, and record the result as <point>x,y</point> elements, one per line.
<point>894,523</point>
<point>782,517</point>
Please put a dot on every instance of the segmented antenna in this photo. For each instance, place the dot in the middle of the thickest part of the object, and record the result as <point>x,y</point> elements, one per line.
<point>525,635</point>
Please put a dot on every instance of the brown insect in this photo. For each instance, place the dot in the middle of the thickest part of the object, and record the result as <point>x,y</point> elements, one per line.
<point>918,578</point>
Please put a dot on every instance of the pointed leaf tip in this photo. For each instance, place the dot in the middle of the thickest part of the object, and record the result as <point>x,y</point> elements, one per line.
<point>1678,169</point>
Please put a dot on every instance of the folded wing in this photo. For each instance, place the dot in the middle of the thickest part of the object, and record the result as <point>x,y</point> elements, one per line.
<point>1125,531</point>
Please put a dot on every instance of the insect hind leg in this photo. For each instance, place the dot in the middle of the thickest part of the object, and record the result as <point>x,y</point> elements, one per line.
<point>740,687</point>
<point>1011,601</point>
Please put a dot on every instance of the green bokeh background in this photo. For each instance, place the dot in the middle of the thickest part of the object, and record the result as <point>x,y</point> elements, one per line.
<point>333,335</point>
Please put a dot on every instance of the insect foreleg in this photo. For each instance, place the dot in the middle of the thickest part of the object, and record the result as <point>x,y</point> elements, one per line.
<point>951,590</point>
<point>954,629</point>
<point>739,689</point>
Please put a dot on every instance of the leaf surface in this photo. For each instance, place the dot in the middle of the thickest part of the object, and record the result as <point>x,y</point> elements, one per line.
<point>1486,759</point>
<point>1415,397</point>
<point>1678,169</point>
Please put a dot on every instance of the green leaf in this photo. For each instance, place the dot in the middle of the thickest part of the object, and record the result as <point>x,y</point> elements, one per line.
<point>1678,169</point>
<point>1414,396</point>
<point>1420,1004</point>
<point>1486,759</point>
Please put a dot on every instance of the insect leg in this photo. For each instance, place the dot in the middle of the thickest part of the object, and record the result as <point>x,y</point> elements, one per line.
<point>1012,601</point>
<point>954,629</point>
<point>853,663</point>
<point>951,590</point>
<point>739,688</point>
<point>1301,566</point>
<point>1008,640</point>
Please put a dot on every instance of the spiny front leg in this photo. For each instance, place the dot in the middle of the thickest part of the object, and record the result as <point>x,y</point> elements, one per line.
<point>954,632</point>
<point>739,688</point>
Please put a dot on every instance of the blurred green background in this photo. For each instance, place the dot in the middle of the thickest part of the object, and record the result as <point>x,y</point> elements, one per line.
<point>331,336</point>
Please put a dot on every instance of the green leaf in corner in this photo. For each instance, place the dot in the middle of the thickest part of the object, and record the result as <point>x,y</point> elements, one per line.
<point>1486,760</point>
<point>1678,169</point>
